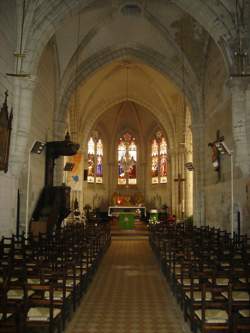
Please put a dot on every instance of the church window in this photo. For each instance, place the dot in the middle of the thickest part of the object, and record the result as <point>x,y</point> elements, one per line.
<point>127,158</point>
<point>159,159</point>
<point>95,161</point>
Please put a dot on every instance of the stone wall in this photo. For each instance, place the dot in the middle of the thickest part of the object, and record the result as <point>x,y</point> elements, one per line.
<point>217,116</point>
<point>42,123</point>
<point>8,193</point>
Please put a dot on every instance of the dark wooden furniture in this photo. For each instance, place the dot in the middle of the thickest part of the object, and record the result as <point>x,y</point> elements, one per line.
<point>5,133</point>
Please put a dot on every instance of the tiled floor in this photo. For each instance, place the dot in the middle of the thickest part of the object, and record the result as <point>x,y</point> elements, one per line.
<point>128,294</point>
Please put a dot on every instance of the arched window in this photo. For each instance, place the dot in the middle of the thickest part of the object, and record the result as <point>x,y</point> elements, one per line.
<point>159,156</point>
<point>95,160</point>
<point>127,157</point>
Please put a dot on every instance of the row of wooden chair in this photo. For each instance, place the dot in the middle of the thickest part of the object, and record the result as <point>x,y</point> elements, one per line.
<point>43,278</point>
<point>209,273</point>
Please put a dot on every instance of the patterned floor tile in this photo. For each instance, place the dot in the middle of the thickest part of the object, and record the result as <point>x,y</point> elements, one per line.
<point>128,294</point>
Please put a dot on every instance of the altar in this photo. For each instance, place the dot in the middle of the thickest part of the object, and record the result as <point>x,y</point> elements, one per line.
<point>136,210</point>
<point>127,215</point>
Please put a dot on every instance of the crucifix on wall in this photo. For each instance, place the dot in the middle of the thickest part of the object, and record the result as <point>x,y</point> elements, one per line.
<point>179,181</point>
<point>215,153</point>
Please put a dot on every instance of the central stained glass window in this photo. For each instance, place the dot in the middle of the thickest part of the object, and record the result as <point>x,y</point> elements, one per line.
<point>127,159</point>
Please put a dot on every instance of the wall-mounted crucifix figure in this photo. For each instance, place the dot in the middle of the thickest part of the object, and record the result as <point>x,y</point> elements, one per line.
<point>216,154</point>
<point>179,181</point>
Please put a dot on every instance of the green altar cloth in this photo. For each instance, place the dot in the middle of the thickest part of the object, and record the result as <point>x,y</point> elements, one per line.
<point>126,220</point>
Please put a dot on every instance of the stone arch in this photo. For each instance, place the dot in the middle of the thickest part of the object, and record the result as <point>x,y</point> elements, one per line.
<point>146,56</point>
<point>151,108</point>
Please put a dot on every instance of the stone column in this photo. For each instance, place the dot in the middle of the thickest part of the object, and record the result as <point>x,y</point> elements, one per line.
<point>59,135</point>
<point>240,91</point>
<point>240,124</point>
<point>174,173</point>
<point>178,159</point>
<point>198,156</point>
<point>189,187</point>
<point>22,108</point>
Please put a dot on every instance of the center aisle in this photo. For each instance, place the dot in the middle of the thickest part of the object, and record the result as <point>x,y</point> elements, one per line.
<point>129,294</point>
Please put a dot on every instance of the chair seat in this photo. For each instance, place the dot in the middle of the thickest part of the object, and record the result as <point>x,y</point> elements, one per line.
<point>18,293</point>
<point>187,281</point>
<point>225,264</point>
<point>197,295</point>
<point>177,270</point>
<point>41,314</point>
<point>58,295</point>
<point>213,316</point>
<point>34,281</point>
<point>238,295</point>
<point>13,279</point>
<point>245,313</point>
<point>220,281</point>
<point>78,272</point>
<point>7,315</point>
<point>70,282</point>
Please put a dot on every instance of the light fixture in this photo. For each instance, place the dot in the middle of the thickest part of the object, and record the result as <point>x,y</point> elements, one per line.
<point>37,147</point>
<point>20,54</point>
<point>69,166</point>
<point>189,166</point>
<point>240,52</point>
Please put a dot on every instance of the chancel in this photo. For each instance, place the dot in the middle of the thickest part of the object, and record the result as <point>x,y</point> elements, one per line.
<point>124,166</point>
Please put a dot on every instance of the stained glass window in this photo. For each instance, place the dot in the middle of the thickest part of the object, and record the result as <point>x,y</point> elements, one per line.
<point>155,157</point>
<point>99,161</point>
<point>159,159</point>
<point>95,161</point>
<point>163,160</point>
<point>127,158</point>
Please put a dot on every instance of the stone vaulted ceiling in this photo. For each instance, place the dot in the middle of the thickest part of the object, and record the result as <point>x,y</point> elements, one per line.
<point>170,37</point>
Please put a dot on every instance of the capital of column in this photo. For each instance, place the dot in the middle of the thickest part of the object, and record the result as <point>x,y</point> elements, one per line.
<point>238,83</point>
<point>26,83</point>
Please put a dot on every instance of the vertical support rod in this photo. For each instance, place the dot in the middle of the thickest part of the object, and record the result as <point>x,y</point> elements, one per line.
<point>27,197</point>
<point>18,214</point>
<point>232,195</point>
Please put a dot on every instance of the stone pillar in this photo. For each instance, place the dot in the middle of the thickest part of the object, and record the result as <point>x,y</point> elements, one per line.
<point>198,156</point>
<point>240,124</point>
<point>22,112</point>
<point>174,173</point>
<point>183,183</point>
<point>178,160</point>
<point>59,135</point>
<point>189,188</point>
<point>240,91</point>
